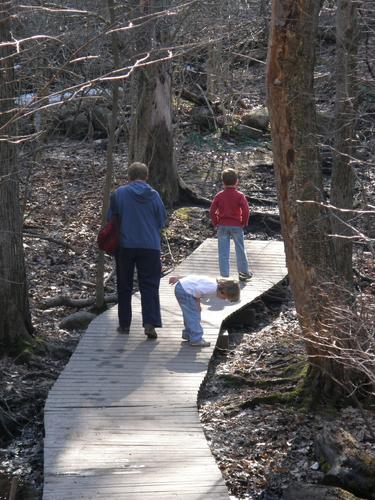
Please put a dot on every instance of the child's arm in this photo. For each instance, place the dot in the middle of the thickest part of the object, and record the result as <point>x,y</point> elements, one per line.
<point>173,279</point>
<point>214,212</point>
<point>245,211</point>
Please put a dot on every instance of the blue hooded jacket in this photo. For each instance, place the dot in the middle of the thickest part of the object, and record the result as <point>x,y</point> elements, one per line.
<point>141,214</point>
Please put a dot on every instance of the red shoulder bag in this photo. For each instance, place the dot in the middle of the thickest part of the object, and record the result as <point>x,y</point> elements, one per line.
<point>109,236</point>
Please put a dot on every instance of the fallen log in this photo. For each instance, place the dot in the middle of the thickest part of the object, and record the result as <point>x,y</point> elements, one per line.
<point>194,98</point>
<point>349,467</point>
<point>79,320</point>
<point>262,201</point>
<point>307,491</point>
<point>64,300</point>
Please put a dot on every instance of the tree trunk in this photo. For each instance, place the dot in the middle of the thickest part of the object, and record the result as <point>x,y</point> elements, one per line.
<point>151,137</point>
<point>305,224</point>
<point>218,72</point>
<point>15,320</point>
<point>99,295</point>
<point>263,13</point>
<point>342,189</point>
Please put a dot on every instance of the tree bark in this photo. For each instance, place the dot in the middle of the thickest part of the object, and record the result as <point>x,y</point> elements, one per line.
<point>99,295</point>
<point>15,320</point>
<point>296,160</point>
<point>151,137</point>
<point>342,187</point>
<point>305,224</point>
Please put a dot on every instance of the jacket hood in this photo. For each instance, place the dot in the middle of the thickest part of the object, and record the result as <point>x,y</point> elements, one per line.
<point>141,191</point>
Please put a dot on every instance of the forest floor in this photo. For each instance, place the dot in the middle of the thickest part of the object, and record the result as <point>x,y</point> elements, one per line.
<point>261,445</point>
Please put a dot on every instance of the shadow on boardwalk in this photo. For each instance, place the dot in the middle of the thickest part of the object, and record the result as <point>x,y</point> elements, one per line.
<point>121,421</point>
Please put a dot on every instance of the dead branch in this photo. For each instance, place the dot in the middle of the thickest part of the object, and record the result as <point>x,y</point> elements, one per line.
<point>31,234</point>
<point>261,201</point>
<point>109,277</point>
<point>208,104</point>
<point>194,98</point>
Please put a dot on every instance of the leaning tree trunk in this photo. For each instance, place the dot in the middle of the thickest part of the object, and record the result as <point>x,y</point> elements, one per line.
<point>342,188</point>
<point>151,138</point>
<point>305,223</point>
<point>15,321</point>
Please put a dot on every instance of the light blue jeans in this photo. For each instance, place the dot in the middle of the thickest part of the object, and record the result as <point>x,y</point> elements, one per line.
<point>224,234</point>
<point>193,330</point>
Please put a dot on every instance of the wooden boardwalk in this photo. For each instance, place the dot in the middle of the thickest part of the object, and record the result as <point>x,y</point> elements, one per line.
<point>121,422</point>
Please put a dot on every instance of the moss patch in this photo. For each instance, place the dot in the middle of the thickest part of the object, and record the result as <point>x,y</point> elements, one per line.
<point>283,383</point>
<point>183,213</point>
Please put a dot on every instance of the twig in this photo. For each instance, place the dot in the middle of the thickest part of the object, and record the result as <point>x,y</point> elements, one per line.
<point>13,489</point>
<point>109,277</point>
<point>80,282</point>
<point>169,249</point>
<point>208,104</point>
<point>30,234</point>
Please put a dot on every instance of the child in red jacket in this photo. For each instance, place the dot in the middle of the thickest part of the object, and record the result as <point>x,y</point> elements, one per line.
<point>230,212</point>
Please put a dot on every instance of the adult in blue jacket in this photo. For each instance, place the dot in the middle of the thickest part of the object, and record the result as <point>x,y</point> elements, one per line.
<point>141,215</point>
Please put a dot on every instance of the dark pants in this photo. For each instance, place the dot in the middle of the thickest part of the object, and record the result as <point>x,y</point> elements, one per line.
<point>148,267</point>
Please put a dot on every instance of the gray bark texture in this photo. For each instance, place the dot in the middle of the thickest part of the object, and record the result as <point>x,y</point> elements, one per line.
<point>342,187</point>
<point>305,222</point>
<point>15,321</point>
<point>151,136</point>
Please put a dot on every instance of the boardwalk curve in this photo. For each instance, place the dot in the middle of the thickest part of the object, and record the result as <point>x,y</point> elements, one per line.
<point>121,421</point>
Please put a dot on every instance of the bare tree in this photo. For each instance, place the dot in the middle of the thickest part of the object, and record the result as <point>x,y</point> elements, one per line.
<point>305,221</point>
<point>15,321</point>
<point>342,187</point>
<point>151,138</point>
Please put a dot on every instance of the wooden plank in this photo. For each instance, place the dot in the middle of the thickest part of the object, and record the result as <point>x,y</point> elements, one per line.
<point>121,421</point>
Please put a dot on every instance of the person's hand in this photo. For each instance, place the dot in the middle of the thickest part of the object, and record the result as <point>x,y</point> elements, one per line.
<point>173,280</point>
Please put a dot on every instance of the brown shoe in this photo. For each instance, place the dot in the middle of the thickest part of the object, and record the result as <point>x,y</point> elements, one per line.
<point>150,332</point>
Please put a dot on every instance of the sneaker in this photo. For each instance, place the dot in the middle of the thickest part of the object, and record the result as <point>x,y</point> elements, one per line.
<point>245,276</point>
<point>200,343</point>
<point>185,336</point>
<point>150,332</point>
<point>124,330</point>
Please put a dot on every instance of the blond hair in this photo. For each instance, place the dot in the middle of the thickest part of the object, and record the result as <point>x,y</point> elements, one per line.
<point>137,171</point>
<point>230,287</point>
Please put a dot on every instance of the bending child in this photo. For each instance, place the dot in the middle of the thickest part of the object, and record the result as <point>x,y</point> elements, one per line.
<point>189,290</point>
<point>230,212</point>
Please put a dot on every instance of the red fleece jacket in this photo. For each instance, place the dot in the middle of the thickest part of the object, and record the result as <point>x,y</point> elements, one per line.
<point>230,208</point>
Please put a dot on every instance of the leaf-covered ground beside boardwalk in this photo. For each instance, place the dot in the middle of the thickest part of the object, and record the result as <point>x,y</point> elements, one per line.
<point>260,449</point>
